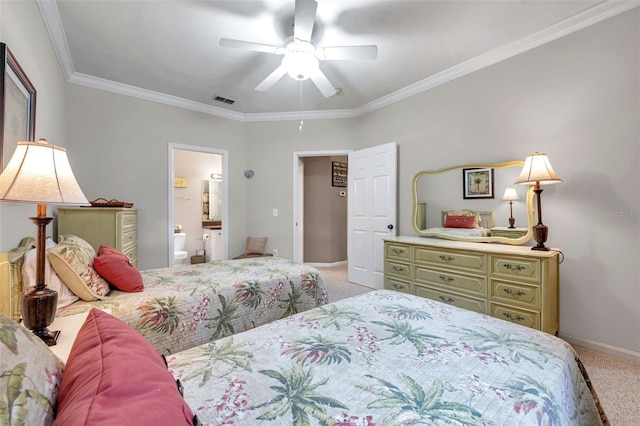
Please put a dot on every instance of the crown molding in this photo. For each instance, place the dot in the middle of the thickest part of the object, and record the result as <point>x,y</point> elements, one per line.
<point>593,15</point>
<point>53,24</point>
<point>570,25</point>
<point>150,95</point>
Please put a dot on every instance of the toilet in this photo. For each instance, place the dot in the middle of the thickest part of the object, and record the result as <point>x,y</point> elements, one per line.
<point>179,254</point>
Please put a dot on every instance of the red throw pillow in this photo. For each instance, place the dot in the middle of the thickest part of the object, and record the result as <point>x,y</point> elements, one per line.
<point>114,376</point>
<point>456,222</point>
<point>115,267</point>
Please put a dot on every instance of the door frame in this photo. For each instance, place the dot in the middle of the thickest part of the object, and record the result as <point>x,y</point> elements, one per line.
<point>225,197</point>
<point>297,191</point>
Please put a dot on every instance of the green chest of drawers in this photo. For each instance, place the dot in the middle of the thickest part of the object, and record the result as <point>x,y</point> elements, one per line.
<point>110,226</point>
<point>513,283</point>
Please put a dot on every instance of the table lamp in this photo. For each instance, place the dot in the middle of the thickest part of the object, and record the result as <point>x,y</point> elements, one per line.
<point>39,173</point>
<point>510,195</point>
<point>538,171</point>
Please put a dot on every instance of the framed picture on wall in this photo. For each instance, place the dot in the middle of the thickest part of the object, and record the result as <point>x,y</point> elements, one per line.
<point>338,174</point>
<point>18,97</point>
<point>477,183</point>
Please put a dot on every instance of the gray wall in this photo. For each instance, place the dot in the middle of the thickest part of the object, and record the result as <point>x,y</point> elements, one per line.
<point>325,213</point>
<point>576,98</point>
<point>21,28</point>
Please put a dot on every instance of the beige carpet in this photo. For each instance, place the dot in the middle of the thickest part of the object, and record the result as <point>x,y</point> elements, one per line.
<point>617,381</point>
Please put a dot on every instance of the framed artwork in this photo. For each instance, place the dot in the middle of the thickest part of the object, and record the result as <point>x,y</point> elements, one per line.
<point>338,174</point>
<point>18,97</point>
<point>477,183</point>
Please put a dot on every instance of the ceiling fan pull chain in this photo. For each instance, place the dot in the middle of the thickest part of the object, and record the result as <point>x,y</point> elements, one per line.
<point>301,120</point>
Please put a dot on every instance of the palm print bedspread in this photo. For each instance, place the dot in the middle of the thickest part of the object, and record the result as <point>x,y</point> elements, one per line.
<point>186,306</point>
<point>386,358</point>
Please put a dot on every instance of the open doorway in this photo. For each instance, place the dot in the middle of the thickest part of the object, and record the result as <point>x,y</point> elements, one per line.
<point>198,204</point>
<point>300,195</point>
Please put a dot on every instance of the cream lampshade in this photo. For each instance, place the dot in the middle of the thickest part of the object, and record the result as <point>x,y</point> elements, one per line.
<point>538,171</point>
<point>40,173</point>
<point>511,195</point>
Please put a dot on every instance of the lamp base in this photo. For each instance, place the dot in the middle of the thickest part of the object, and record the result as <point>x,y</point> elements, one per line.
<point>540,233</point>
<point>512,222</point>
<point>48,337</point>
<point>39,311</point>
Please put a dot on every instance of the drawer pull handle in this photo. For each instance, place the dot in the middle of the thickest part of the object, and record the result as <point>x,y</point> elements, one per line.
<point>446,258</point>
<point>514,293</point>
<point>515,267</point>
<point>397,268</point>
<point>446,299</point>
<point>398,286</point>
<point>445,278</point>
<point>398,251</point>
<point>517,317</point>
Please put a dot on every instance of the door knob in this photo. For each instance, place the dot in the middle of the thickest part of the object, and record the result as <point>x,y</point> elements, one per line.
<point>390,227</point>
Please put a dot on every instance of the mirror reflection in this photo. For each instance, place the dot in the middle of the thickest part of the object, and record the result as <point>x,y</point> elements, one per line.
<point>212,203</point>
<point>473,202</point>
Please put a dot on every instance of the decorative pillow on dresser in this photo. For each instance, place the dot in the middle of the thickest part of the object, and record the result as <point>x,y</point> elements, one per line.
<point>53,281</point>
<point>116,268</point>
<point>71,258</point>
<point>477,219</point>
<point>459,221</point>
<point>30,376</point>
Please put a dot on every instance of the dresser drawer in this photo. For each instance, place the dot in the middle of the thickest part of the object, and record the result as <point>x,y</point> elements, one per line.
<point>451,299</point>
<point>522,317</point>
<point>391,284</point>
<point>398,270</point>
<point>399,252</point>
<point>520,294</point>
<point>473,285</point>
<point>515,268</point>
<point>129,239</point>
<point>469,261</point>
<point>129,220</point>
<point>131,251</point>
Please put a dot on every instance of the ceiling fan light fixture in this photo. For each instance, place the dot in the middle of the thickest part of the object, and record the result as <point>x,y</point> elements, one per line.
<point>300,65</point>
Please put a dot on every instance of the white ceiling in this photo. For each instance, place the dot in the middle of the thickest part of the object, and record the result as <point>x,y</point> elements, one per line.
<point>168,51</point>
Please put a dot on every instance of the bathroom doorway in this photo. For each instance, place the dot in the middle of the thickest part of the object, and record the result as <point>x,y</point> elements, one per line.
<point>198,204</point>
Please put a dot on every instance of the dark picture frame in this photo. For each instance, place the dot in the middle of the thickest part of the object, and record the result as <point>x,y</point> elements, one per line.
<point>477,183</point>
<point>18,111</point>
<point>339,174</point>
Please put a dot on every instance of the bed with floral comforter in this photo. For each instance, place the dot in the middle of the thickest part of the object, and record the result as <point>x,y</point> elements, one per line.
<point>387,358</point>
<point>184,306</point>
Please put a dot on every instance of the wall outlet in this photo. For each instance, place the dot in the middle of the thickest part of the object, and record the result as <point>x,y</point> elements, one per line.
<point>275,252</point>
<point>275,212</point>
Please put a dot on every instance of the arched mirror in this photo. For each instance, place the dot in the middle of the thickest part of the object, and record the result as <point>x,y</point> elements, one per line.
<point>444,199</point>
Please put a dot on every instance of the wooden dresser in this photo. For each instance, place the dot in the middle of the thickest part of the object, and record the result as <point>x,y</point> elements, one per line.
<point>513,283</point>
<point>109,226</point>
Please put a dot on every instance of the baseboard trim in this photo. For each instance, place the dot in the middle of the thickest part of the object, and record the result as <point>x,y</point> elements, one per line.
<point>602,347</point>
<point>327,265</point>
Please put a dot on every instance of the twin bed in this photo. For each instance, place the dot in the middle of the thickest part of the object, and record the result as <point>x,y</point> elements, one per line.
<point>380,358</point>
<point>185,306</point>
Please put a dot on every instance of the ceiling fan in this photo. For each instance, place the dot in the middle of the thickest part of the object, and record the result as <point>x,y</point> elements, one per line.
<point>300,55</point>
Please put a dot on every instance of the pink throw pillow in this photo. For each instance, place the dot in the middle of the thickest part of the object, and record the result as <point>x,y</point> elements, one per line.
<point>458,222</point>
<point>115,267</point>
<point>114,376</point>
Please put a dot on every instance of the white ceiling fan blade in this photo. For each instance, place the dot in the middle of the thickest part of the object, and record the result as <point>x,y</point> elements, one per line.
<point>347,52</point>
<point>305,16</point>
<point>322,82</point>
<point>248,45</point>
<point>272,79</point>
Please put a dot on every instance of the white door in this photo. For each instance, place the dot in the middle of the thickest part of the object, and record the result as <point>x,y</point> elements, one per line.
<point>372,187</point>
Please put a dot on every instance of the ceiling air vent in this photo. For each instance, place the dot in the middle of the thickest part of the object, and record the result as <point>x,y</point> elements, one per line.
<point>224,100</point>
